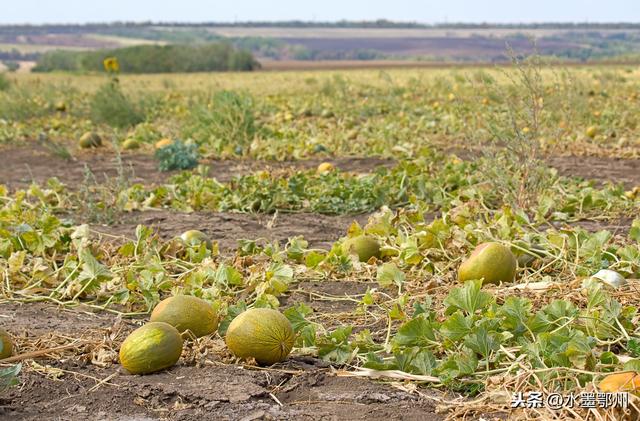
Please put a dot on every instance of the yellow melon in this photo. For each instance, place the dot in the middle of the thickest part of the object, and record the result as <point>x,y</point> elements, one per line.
<point>150,348</point>
<point>263,334</point>
<point>492,262</point>
<point>186,312</point>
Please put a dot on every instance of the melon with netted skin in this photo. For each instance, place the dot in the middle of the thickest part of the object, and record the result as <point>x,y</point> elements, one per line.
<point>263,334</point>
<point>150,348</point>
<point>187,313</point>
<point>492,262</point>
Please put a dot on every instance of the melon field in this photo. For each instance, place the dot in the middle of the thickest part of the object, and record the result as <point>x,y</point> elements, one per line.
<point>402,244</point>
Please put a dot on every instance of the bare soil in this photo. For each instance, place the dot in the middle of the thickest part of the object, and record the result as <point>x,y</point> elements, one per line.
<point>302,388</point>
<point>21,165</point>
<point>227,228</point>
<point>25,164</point>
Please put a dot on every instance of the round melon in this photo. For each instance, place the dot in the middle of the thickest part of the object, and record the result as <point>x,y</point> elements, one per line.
<point>260,333</point>
<point>130,144</point>
<point>90,140</point>
<point>163,143</point>
<point>364,246</point>
<point>325,167</point>
<point>186,312</point>
<point>492,262</point>
<point>150,348</point>
<point>60,106</point>
<point>591,131</point>
<point>6,346</point>
<point>195,238</point>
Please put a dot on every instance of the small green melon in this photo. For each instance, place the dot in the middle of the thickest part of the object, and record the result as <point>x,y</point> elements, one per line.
<point>260,333</point>
<point>186,312</point>
<point>90,140</point>
<point>195,238</point>
<point>492,262</point>
<point>150,348</point>
<point>130,144</point>
<point>364,246</point>
<point>6,346</point>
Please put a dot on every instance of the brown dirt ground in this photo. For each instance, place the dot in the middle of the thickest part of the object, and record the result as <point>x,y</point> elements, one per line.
<point>302,388</point>
<point>24,164</point>
<point>227,228</point>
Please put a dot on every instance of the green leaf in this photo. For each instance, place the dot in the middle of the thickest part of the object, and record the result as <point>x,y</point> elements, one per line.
<point>232,312</point>
<point>297,316</point>
<point>296,248</point>
<point>457,326</point>
<point>516,312</point>
<point>9,376</point>
<point>632,365</point>
<point>389,274</point>
<point>335,346</point>
<point>313,259</point>
<point>93,272</point>
<point>415,332</point>
<point>227,275</point>
<point>415,360</point>
<point>468,298</point>
<point>483,342</point>
<point>634,347</point>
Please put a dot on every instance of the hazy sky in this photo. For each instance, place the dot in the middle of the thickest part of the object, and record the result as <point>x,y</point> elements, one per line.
<point>428,11</point>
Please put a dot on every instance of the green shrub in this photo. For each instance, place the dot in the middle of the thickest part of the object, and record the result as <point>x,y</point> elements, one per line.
<point>173,58</point>
<point>226,122</point>
<point>177,156</point>
<point>111,106</point>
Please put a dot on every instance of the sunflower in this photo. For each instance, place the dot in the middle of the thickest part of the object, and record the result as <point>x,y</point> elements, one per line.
<point>111,65</point>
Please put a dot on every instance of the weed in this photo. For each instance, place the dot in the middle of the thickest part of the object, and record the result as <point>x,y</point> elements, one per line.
<point>56,148</point>
<point>4,82</point>
<point>111,106</point>
<point>226,123</point>
<point>99,202</point>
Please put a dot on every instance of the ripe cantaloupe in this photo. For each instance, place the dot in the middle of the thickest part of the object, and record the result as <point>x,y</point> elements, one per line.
<point>263,334</point>
<point>364,246</point>
<point>186,312</point>
<point>150,348</point>
<point>492,262</point>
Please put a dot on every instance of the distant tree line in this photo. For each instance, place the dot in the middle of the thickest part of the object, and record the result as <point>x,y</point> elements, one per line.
<point>16,55</point>
<point>153,59</point>
<point>8,30</point>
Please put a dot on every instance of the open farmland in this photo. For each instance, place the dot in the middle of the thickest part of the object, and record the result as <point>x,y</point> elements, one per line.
<point>425,163</point>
